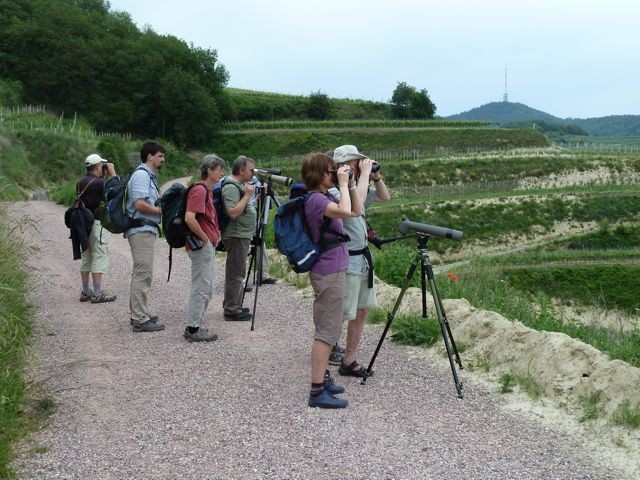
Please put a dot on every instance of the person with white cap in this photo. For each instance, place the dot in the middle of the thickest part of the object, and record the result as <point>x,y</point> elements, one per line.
<point>360,295</point>
<point>95,259</point>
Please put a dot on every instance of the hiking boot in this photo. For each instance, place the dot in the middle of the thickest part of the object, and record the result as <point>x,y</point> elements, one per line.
<point>152,318</point>
<point>148,326</point>
<point>202,335</point>
<point>85,297</point>
<point>327,400</point>
<point>331,387</point>
<point>335,358</point>
<point>102,298</point>
<point>240,316</point>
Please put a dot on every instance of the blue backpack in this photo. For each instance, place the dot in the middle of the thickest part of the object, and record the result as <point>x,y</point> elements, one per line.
<point>293,235</point>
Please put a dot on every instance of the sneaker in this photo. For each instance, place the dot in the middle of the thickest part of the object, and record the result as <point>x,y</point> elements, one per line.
<point>85,297</point>
<point>202,335</point>
<point>331,387</point>
<point>240,316</point>
<point>335,358</point>
<point>103,298</point>
<point>148,326</point>
<point>327,400</point>
<point>339,349</point>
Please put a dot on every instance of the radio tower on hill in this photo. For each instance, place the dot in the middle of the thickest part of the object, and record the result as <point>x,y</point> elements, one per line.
<point>505,97</point>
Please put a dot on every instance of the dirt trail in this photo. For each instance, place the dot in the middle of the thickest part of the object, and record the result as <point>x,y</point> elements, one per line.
<point>137,405</point>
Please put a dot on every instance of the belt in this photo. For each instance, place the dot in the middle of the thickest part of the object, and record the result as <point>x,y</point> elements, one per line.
<point>367,255</point>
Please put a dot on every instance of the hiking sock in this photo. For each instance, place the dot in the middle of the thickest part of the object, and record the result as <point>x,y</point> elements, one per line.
<point>316,389</point>
<point>96,288</point>
<point>192,330</point>
<point>85,286</point>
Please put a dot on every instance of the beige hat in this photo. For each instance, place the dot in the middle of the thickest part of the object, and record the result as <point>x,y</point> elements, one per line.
<point>94,159</point>
<point>346,153</point>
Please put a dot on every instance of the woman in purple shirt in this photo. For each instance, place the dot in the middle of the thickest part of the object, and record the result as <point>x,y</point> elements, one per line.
<point>329,272</point>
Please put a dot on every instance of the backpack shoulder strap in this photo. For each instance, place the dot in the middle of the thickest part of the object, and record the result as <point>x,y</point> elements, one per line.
<point>80,193</point>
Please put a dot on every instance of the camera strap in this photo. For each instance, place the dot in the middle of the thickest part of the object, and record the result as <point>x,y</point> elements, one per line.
<point>367,255</point>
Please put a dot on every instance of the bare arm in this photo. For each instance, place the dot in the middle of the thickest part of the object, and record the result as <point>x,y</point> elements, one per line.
<point>239,207</point>
<point>342,209</point>
<point>144,207</point>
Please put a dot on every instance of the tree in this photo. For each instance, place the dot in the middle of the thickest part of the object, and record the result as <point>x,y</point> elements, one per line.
<point>319,106</point>
<point>408,102</point>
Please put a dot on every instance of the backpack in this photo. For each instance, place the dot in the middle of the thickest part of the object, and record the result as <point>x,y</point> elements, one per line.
<point>293,235</point>
<point>113,208</point>
<point>79,220</point>
<point>173,203</point>
<point>221,211</point>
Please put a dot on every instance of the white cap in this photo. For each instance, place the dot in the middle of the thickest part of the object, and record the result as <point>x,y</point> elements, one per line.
<point>93,159</point>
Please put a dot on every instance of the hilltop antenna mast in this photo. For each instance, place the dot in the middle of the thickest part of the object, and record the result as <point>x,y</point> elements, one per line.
<point>505,97</point>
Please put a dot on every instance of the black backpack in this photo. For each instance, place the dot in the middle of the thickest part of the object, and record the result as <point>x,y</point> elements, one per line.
<point>293,235</point>
<point>113,208</point>
<point>79,220</point>
<point>173,203</point>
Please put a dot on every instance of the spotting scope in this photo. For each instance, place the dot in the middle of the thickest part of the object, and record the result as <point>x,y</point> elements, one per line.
<point>433,230</point>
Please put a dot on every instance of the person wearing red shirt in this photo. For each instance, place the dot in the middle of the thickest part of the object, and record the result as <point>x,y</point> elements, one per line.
<point>200,217</point>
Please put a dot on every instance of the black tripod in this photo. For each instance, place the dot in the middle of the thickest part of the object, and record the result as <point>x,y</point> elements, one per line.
<point>426,272</point>
<point>263,205</point>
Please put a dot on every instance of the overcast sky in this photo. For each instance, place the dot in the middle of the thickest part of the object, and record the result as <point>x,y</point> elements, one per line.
<point>569,58</point>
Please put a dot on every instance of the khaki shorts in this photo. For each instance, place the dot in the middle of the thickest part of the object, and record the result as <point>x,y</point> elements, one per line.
<point>357,296</point>
<point>96,257</point>
<point>327,305</point>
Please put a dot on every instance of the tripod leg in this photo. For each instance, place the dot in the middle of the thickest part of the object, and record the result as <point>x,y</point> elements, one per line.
<point>258,256</point>
<point>391,316</point>
<point>423,285</point>
<point>449,343</point>
<point>249,269</point>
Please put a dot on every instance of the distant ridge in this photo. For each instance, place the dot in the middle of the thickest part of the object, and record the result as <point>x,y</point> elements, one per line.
<point>504,113</point>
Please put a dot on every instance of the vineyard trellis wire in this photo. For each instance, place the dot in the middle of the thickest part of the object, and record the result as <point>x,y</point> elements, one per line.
<point>16,118</point>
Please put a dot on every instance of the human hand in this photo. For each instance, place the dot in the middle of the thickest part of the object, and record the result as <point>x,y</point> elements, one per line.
<point>249,188</point>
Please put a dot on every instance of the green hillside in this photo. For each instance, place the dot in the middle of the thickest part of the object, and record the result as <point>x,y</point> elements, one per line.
<point>505,113</point>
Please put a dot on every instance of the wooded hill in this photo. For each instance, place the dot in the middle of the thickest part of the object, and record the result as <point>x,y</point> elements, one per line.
<point>504,113</point>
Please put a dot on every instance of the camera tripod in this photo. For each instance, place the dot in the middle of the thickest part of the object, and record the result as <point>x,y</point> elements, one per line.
<point>256,254</point>
<point>426,273</point>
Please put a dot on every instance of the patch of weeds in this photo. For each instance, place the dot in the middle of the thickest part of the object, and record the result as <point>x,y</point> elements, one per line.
<point>481,362</point>
<point>618,441</point>
<point>627,415</point>
<point>415,330</point>
<point>590,406</point>
<point>529,385</point>
<point>473,334</point>
<point>377,315</point>
<point>40,449</point>
<point>461,346</point>
<point>507,381</point>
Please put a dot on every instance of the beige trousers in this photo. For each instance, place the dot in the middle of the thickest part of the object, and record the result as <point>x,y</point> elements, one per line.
<point>142,249</point>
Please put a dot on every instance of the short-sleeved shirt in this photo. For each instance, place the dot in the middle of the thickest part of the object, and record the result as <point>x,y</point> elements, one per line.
<point>243,226</point>
<point>334,259</point>
<point>200,202</point>
<point>92,196</point>
<point>142,184</point>
<point>356,228</point>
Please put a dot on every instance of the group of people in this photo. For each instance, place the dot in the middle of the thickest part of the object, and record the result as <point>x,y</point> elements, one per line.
<point>341,186</point>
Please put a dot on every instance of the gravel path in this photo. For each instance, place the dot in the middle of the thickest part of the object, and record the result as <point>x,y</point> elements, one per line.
<point>140,405</point>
